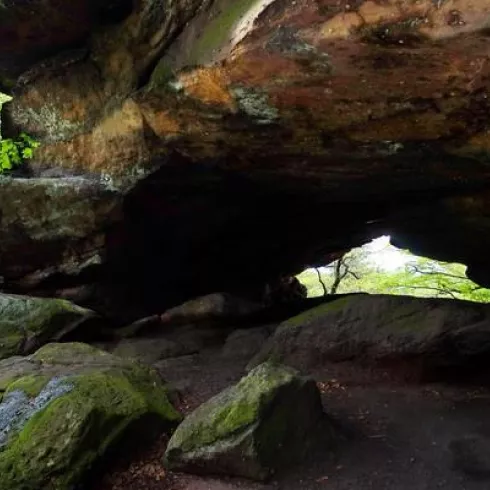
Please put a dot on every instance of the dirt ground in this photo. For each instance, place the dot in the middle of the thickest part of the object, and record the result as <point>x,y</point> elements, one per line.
<point>392,433</point>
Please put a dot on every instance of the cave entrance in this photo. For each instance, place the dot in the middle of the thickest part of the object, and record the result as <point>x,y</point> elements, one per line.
<point>380,268</point>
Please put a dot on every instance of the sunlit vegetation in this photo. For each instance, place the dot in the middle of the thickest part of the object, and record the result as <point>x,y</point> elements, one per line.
<point>14,151</point>
<point>383,269</point>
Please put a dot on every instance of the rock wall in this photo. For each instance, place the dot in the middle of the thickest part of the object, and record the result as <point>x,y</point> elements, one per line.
<point>248,139</point>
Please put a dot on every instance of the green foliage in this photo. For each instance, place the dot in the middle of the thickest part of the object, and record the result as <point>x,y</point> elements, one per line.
<point>414,276</point>
<point>14,153</point>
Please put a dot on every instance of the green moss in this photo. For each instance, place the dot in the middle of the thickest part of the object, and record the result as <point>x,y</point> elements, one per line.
<point>311,315</point>
<point>11,339</point>
<point>232,411</point>
<point>31,385</point>
<point>405,317</point>
<point>247,429</point>
<point>161,75</point>
<point>69,353</point>
<point>218,30</point>
<point>24,319</point>
<point>58,444</point>
<point>45,310</point>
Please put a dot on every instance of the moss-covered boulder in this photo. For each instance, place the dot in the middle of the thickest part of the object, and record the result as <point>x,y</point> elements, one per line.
<point>27,323</point>
<point>65,406</point>
<point>270,418</point>
<point>429,333</point>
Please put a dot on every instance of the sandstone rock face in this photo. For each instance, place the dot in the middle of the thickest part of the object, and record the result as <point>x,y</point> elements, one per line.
<point>270,417</point>
<point>28,323</point>
<point>52,226</point>
<point>63,407</point>
<point>368,115</point>
<point>442,333</point>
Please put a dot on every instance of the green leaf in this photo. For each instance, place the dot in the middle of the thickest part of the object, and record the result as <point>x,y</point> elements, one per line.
<point>6,165</point>
<point>14,153</point>
<point>27,153</point>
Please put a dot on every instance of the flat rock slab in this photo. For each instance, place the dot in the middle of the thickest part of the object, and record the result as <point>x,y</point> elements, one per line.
<point>216,307</point>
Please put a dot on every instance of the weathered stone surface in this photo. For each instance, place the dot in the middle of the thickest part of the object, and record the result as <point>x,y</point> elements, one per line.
<point>363,114</point>
<point>150,350</point>
<point>63,407</point>
<point>157,341</point>
<point>106,65</point>
<point>216,307</point>
<point>50,227</point>
<point>27,323</point>
<point>438,333</point>
<point>270,417</point>
<point>245,343</point>
<point>323,95</point>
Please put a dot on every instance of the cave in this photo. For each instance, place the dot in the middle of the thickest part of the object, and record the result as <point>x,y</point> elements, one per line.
<point>212,175</point>
<point>192,156</point>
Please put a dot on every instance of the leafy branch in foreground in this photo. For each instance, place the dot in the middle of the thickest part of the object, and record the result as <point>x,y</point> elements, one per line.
<point>14,152</point>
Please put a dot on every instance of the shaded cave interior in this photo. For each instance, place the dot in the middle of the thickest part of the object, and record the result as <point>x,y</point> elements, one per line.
<point>189,230</point>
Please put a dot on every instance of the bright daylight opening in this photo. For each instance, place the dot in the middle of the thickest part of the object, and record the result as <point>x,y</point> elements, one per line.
<point>379,267</point>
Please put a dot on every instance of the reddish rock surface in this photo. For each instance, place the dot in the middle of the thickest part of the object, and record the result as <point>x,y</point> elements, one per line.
<point>254,138</point>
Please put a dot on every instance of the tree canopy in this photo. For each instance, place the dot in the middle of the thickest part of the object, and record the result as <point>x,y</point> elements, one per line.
<point>366,270</point>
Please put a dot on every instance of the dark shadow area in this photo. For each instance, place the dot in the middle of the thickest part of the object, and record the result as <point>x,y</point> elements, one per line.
<point>114,11</point>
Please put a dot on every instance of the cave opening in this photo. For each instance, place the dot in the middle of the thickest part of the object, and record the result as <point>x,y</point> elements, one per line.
<point>379,267</point>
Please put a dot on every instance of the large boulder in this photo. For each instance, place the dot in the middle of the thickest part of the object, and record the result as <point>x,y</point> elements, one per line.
<point>269,418</point>
<point>437,332</point>
<point>212,308</point>
<point>65,406</point>
<point>27,323</point>
<point>245,343</point>
<point>53,226</point>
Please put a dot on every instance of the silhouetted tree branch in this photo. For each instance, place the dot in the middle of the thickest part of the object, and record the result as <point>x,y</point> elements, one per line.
<point>325,291</point>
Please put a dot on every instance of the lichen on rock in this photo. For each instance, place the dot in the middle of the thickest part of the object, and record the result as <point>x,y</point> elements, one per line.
<point>255,104</point>
<point>59,418</point>
<point>251,429</point>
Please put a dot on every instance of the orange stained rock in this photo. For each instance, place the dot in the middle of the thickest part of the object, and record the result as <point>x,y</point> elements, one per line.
<point>115,144</point>
<point>209,85</point>
<point>454,17</point>
<point>341,26</point>
<point>374,13</point>
<point>161,122</point>
<point>125,120</point>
